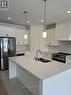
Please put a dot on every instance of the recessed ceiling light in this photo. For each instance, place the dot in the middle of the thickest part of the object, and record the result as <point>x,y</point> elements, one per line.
<point>68,12</point>
<point>42,20</point>
<point>9,18</point>
<point>28,21</point>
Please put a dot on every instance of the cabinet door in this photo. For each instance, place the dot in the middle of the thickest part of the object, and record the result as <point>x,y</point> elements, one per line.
<point>11,31</point>
<point>19,36</point>
<point>7,31</point>
<point>63,31</point>
<point>51,37</point>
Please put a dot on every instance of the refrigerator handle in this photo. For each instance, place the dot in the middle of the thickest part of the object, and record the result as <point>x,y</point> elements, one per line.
<point>8,47</point>
<point>1,48</point>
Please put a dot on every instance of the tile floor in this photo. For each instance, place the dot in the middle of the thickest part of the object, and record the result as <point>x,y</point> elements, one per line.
<point>11,87</point>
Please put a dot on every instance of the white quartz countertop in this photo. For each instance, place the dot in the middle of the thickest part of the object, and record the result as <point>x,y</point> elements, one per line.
<point>39,69</point>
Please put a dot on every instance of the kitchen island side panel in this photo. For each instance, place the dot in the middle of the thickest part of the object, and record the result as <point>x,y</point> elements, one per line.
<point>31,82</point>
<point>58,85</point>
<point>12,69</point>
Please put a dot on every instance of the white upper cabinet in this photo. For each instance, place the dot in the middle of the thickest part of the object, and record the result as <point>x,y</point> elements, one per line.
<point>51,37</point>
<point>63,31</point>
<point>6,31</point>
<point>18,33</point>
<point>20,37</point>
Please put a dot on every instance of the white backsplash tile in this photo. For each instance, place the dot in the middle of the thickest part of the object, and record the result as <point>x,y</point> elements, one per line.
<point>65,47</point>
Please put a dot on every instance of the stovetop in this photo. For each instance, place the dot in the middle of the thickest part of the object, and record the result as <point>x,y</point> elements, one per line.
<point>60,56</point>
<point>60,53</point>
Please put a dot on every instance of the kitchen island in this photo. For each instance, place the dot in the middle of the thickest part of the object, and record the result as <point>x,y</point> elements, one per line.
<point>51,78</point>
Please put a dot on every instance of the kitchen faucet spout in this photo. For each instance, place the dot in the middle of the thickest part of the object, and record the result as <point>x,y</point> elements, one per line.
<point>38,53</point>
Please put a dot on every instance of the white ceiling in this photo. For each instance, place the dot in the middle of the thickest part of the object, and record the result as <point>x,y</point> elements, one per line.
<point>56,11</point>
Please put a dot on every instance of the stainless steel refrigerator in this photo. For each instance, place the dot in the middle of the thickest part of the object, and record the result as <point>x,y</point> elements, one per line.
<point>7,49</point>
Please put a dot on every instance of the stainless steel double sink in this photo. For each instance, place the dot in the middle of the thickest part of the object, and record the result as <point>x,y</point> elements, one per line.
<point>42,60</point>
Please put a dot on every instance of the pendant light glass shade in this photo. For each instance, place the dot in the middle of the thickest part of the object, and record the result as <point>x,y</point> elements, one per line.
<point>25,35</point>
<point>44,35</point>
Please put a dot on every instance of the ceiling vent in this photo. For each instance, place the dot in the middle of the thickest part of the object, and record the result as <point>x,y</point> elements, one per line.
<point>4,4</point>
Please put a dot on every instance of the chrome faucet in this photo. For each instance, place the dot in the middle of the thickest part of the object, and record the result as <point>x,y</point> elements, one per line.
<point>38,53</point>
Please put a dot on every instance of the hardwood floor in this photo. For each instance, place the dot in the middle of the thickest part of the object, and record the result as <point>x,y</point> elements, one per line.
<point>11,87</point>
<point>2,89</point>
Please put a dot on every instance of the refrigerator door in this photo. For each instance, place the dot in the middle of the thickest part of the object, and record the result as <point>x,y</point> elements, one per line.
<point>11,47</point>
<point>4,63</point>
<point>0,53</point>
<point>7,49</point>
<point>4,47</point>
<point>4,53</point>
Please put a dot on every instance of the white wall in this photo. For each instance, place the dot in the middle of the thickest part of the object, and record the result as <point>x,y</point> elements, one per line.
<point>21,48</point>
<point>37,42</point>
<point>63,47</point>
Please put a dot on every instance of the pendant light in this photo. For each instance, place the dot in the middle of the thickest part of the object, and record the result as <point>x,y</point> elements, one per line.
<point>25,35</point>
<point>44,31</point>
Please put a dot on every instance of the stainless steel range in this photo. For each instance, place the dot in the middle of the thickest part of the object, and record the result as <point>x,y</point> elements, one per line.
<point>61,57</point>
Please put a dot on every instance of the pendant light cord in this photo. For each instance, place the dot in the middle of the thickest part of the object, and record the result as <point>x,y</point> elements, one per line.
<point>45,15</point>
<point>25,12</point>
